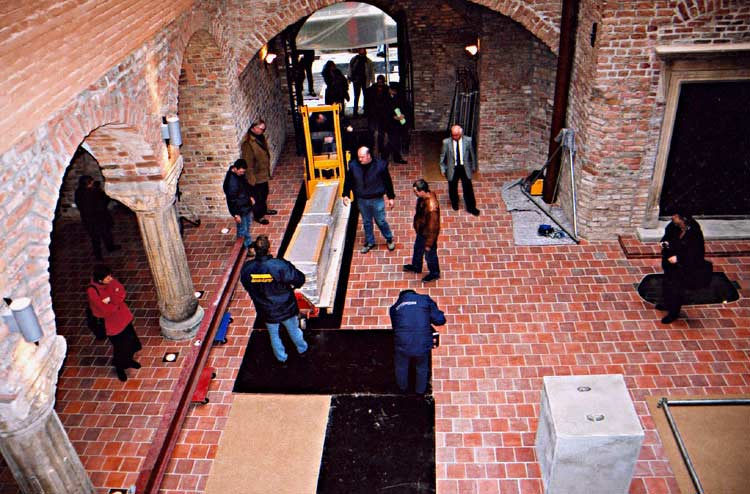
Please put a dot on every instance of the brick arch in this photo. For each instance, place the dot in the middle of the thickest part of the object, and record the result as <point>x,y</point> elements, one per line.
<point>541,26</point>
<point>209,134</point>
<point>688,10</point>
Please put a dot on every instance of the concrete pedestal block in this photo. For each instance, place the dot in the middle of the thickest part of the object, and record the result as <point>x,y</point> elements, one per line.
<point>589,436</point>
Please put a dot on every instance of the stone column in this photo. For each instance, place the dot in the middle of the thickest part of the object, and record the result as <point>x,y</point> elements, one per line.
<point>32,439</point>
<point>180,313</point>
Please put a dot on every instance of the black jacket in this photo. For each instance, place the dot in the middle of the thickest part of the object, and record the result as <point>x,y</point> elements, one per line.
<point>690,251</point>
<point>368,181</point>
<point>92,205</point>
<point>271,283</point>
<point>238,191</point>
<point>412,317</point>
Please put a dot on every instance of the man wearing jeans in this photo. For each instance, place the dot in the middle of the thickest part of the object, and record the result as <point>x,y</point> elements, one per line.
<point>239,199</point>
<point>270,283</point>
<point>370,181</point>
<point>427,226</point>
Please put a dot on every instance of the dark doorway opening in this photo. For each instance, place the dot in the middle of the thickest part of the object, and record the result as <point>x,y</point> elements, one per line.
<point>708,168</point>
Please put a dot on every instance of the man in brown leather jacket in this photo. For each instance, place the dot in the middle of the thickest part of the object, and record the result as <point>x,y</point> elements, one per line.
<point>254,150</point>
<point>427,226</point>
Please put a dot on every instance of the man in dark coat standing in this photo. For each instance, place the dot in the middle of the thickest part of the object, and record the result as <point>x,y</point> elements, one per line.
<point>92,203</point>
<point>427,227</point>
<point>270,283</point>
<point>396,124</point>
<point>412,317</point>
<point>370,181</point>
<point>239,199</point>
<point>682,259</point>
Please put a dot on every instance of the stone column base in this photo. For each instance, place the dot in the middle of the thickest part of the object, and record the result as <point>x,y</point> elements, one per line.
<point>181,330</point>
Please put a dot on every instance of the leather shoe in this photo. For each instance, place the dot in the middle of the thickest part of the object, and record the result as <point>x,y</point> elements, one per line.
<point>660,307</point>
<point>367,248</point>
<point>121,375</point>
<point>411,268</point>
<point>400,162</point>
<point>474,211</point>
<point>262,221</point>
<point>271,211</point>
<point>135,365</point>
<point>391,245</point>
<point>670,318</point>
<point>431,277</point>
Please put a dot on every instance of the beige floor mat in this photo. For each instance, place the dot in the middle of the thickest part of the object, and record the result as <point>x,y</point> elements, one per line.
<point>271,443</point>
<point>717,439</point>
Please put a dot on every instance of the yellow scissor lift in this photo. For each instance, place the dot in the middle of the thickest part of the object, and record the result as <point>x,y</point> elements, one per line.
<point>317,245</point>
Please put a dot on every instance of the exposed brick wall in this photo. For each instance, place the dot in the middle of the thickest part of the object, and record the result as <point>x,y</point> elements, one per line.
<point>264,97</point>
<point>208,132</point>
<point>625,114</point>
<point>64,49</point>
<point>516,85</point>
<point>437,35</point>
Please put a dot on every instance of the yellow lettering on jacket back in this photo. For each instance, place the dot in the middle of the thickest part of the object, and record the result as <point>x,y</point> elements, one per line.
<point>261,278</point>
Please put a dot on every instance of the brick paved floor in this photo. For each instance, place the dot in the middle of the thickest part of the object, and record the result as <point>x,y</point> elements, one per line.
<point>515,314</point>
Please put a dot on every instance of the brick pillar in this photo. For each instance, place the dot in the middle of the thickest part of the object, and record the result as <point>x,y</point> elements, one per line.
<point>180,313</point>
<point>32,439</point>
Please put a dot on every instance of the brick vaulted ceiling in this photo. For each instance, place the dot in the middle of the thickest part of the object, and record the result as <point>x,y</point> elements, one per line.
<point>44,63</point>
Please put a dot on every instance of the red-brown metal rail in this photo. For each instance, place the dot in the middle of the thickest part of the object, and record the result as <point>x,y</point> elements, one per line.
<point>165,437</point>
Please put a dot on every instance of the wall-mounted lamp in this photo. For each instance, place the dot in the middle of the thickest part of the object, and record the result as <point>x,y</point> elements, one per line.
<point>129,490</point>
<point>170,130</point>
<point>170,357</point>
<point>25,317</point>
<point>472,49</point>
<point>265,55</point>
<point>7,316</point>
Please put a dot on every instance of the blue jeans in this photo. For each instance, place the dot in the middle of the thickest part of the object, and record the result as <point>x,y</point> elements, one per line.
<point>401,361</point>
<point>292,328</point>
<point>243,228</point>
<point>431,257</point>
<point>374,209</point>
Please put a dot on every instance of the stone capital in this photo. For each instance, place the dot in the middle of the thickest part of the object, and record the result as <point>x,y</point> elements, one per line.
<point>150,195</point>
<point>28,380</point>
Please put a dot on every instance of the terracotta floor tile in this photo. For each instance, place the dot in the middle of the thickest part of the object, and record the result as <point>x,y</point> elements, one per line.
<point>515,314</point>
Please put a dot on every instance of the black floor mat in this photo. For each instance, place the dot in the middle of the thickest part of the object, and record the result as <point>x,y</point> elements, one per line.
<point>336,362</point>
<point>379,444</point>
<point>720,290</point>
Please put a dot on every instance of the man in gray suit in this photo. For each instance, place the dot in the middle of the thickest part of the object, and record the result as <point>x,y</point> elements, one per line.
<point>458,162</point>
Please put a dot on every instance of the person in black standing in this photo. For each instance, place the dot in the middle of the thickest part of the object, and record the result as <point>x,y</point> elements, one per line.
<point>377,110</point>
<point>395,124</point>
<point>92,203</point>
<point>337,87</point>
<point>308,57</point>
<point>682,259</point>
<point>361,73</point>
<point>240,200</point>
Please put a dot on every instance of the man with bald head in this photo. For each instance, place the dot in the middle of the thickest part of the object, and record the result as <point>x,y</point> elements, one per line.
<point>458,162</point>
<point>371,183</point>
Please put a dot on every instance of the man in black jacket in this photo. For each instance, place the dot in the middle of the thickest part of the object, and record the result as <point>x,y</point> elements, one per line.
<point>682,258</point>
<point>412,317</point>
<point>239,199</point>
<point>270,283</point>
<point>370,181</point>
<point>92,204</point>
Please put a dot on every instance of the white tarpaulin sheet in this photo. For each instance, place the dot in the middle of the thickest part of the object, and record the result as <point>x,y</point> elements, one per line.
<point>345,26</point>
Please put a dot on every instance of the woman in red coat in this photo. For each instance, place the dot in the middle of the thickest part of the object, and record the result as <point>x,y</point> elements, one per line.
<point>107,301</point>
